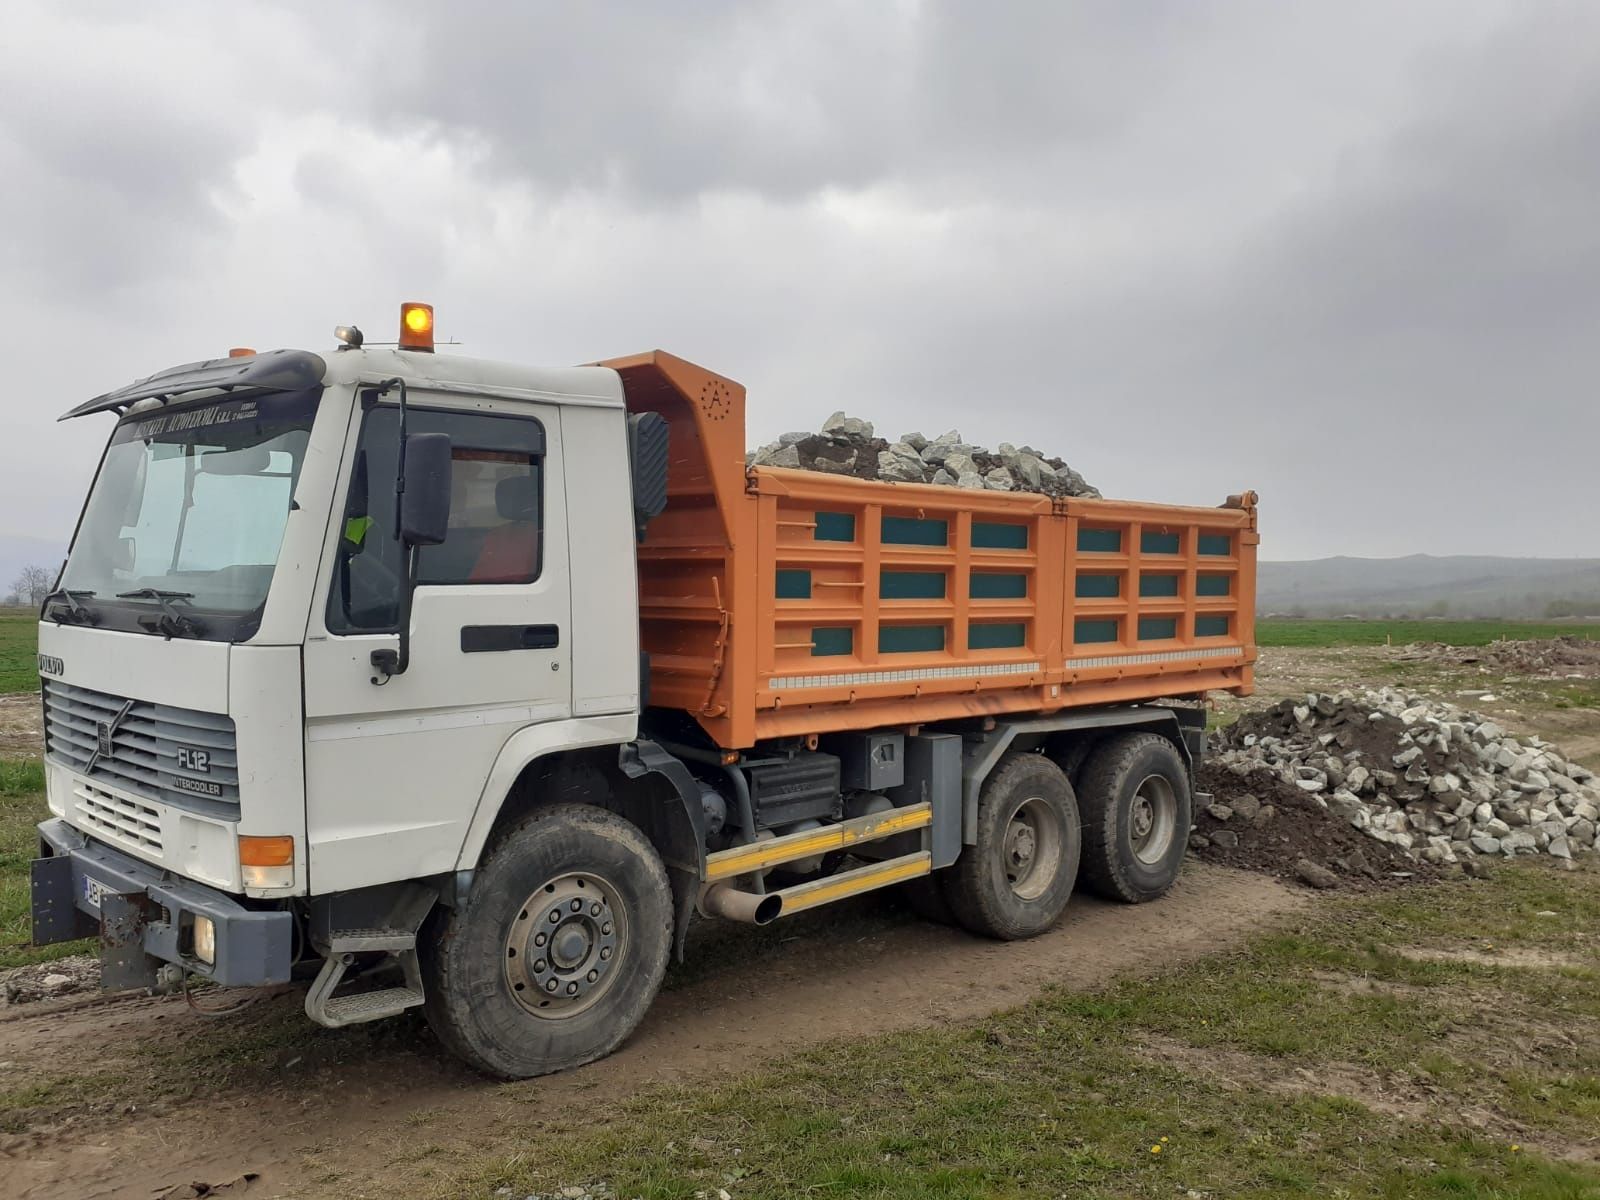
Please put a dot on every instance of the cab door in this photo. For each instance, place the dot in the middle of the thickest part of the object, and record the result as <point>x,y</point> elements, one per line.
<point>395,769</point>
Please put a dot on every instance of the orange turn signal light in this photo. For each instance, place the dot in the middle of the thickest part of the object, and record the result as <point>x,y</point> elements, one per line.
<point>241,352</point>
<point>416,326</point>
<point>266,851</point>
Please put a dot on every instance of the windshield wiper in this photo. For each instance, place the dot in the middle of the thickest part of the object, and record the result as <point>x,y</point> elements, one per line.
<point>171,622</point>
<point>76,611</point>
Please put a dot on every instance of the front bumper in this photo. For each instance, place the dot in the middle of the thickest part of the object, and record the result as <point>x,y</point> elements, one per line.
<point>145,916</point>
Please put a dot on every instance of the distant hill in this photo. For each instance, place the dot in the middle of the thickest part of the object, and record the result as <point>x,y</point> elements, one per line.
<point>1421,585</point>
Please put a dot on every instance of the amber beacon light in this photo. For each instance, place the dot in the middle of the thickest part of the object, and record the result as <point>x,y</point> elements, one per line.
<point>416,327</point>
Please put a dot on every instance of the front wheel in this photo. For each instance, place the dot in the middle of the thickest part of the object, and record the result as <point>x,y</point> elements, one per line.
<point>1015,881</point>
<point>559,950</point>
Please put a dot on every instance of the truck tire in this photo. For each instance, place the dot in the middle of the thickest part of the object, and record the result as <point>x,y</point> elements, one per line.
<point>559,949</point>
<point>1137,808</point>
<point>1015,881</point>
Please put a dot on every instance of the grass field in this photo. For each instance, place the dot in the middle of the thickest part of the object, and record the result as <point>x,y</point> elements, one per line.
<point>19,642</point>
<point>21,808</point>
<point>1278,632</point>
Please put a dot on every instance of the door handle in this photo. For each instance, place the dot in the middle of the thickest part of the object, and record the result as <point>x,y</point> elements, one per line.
<point>484,639</point>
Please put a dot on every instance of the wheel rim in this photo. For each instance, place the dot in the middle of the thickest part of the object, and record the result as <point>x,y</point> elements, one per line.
<point>564,945</point>
<point>1032,847</point>
<point>1153,819</point>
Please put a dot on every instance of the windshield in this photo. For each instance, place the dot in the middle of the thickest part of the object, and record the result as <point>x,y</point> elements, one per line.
<point>182,528</point>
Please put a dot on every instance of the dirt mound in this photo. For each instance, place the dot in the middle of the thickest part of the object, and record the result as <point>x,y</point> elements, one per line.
<point>1566,656</point>
<point>1260,822</point>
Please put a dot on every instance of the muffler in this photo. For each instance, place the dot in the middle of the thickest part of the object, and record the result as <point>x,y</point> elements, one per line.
<point>728,902</point>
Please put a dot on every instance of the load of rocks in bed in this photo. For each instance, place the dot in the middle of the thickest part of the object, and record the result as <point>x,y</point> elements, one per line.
<point>848,446</point>
<point>1441,784</point>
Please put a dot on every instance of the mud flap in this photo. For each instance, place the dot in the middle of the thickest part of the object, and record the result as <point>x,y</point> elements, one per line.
<point>123,962</point>
<point>55,911</point>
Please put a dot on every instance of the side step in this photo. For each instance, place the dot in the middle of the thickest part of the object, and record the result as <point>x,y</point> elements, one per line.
<point>323,1007</point>
<point>725,864</point>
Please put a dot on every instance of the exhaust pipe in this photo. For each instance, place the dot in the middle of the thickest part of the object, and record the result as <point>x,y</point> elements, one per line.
<point>726,901</point>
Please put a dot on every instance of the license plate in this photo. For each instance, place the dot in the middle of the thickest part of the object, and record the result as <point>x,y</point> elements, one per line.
<point>93,890</point>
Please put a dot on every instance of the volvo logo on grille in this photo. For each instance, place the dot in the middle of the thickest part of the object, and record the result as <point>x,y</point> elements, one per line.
<point>104,732</point>
<point>102,737</point>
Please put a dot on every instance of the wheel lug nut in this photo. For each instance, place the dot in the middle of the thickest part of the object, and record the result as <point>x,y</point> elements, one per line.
<point>577,906</point>
<point>555,915</point>
<point>593,975</point>
<point>594,910</point>
<point>605,953</point>
<point>572,989</point>
<point>606,928</point>
<point>539,965</point>
<point>539,939</point>
<point>551,986</point>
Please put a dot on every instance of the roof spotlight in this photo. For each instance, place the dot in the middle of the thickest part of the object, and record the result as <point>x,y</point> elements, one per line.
<point>350,336</point>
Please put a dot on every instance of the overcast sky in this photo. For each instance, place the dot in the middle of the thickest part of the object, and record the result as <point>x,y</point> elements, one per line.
<point>1347,254</point>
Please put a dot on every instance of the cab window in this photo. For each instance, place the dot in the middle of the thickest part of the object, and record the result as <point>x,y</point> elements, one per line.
<point>496,508</point>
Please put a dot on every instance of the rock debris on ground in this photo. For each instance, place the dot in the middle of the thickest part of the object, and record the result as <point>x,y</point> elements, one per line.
<point>1566,657</point>
<point>1387,784</point>
<point>47,980</point>
<point>849,446</point>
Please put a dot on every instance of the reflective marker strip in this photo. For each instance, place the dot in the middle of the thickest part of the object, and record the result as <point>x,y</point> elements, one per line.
<point>860,678</point>
<point>1154,656</point>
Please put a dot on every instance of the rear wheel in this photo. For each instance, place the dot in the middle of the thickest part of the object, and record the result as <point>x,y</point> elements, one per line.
<point>1137,808</point>
<point>559,949</point>
<point>1015,881</point>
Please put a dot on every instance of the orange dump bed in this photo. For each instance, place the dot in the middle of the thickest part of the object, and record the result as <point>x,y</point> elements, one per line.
<point>780,602</point>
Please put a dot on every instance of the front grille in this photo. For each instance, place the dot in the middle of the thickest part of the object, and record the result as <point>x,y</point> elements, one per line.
<point>125,822</point>
<point>142,753</point>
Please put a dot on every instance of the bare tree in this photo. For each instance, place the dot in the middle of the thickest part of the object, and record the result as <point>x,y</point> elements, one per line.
<point>32,584</point>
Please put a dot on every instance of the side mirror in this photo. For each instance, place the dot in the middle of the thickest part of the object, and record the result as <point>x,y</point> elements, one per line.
<point>425,504</point>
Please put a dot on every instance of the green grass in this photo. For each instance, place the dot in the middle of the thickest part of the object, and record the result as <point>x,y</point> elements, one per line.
<point>1281,632</point>
<point>1268,1072</point>
<point>19,648</point>
<point>21,808</point>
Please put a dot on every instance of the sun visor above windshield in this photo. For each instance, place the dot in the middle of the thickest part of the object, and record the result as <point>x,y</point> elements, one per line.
<point>275,371</point>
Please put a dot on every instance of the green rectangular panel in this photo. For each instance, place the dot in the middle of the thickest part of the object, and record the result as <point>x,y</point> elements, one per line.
<point>1157,629</point>
<point>1218,545</point>
<point>826,641</point>
<point>993,585</point>
<point>1151,542</point>
<point>1100,541</point>
<point>915,531</point>
<point>908,639</point>
<point>836,527</point>
<point>1086,630</point>
<point>996,635</point>
<point>988,535</point>
<point>1213,585</point>
<point>793,585</point>
<point>1098,587</point>
<point>1158,585</point>
<point>1212,626</point>
<point>911,585</point>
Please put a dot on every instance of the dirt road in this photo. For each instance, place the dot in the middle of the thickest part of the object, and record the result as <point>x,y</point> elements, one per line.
<point>331,1113</point>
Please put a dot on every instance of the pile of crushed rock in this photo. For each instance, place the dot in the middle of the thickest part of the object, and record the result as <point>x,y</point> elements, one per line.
<point>1559,657</point>
<point>848,446</point>
<point>1423,782</point>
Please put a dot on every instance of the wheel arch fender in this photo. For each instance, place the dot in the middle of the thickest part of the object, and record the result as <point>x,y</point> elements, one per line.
<point>1184,727</point>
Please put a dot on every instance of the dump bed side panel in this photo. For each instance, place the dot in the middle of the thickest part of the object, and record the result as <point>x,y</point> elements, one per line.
<point>898,603</point>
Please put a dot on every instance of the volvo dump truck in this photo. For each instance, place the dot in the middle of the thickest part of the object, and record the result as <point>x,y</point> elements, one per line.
<point>443,682</point>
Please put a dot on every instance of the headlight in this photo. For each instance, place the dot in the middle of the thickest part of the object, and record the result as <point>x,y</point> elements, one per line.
<point>205,940</point>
